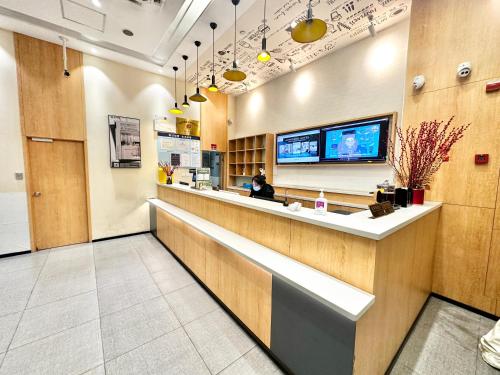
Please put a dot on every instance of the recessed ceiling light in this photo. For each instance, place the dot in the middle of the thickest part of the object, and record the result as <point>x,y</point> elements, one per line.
<point>93,50</point>
<point>128,32</point>
<point>97,3</point>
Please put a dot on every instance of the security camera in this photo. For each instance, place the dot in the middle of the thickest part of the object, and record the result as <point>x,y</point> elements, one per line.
<point>418,82</point>
<point>66,73</point>
<point>464,69</point>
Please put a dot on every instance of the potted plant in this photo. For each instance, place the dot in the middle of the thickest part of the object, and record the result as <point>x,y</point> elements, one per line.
<point>421,152</point>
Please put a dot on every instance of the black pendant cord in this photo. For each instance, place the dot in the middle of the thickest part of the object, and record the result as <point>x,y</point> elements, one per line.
<point>185,77</point>
<point>213,51</point>
<point>234,52</point>
<point>175,86</point>
<point>265,2</point>
<point>197,74</point>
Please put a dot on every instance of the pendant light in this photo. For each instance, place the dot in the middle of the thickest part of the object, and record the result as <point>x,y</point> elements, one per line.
<point>175,110</point>
<point>309,30</point>
<point>264,55</point>
<point>213,87</point>
<point>234,74</point>
<point>197,97</point>
<point>185,104</point>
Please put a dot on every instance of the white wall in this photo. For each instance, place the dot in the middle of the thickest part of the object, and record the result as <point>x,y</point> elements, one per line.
<point>363,79</point>
<point>14,230</point>
<point>118,195</point>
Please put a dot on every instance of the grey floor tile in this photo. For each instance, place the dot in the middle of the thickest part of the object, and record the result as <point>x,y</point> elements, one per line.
<point>156,260</point>
<point>255,362</point>
<point>429,353</point>
<point>73,351</point>
<point>452,322</point>
<point>483,368</point>
<point>16,288</point>
<point>127,329</point>
<point>114,275</point>
<point>8,325</point>
<point>218,339</point>
<point>61,286</point>
<point>171,354</point>
<point>190,303</point>
<point>96,371</point>
<point>400,369</point>
<point>485,325</point>
<point>117,297</point>
<point>173,278</point>
<point>43,321</point>
<point>73,253</point>
<point>22,262</point>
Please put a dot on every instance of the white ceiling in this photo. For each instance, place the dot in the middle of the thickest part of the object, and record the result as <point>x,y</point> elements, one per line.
<point>163,33</point>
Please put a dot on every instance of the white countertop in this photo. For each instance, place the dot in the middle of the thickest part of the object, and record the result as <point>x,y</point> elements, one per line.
<point>359,223</point>
<point>336,294</point>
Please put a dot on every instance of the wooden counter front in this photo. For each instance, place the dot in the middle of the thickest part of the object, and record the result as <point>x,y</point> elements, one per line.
<point>396,269</point>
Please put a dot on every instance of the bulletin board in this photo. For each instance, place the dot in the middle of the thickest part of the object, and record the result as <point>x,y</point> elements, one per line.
<point>179,150</point>
<point>124,141</point>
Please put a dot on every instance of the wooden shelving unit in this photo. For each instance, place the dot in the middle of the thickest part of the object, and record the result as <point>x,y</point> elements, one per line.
<point>247,155</point>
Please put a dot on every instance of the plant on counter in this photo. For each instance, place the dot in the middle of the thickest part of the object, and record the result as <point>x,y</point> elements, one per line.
<point>422,150</point>
<point>168,169</point>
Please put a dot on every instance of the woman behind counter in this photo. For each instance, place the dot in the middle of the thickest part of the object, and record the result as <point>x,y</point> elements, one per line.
<point>260,188</point>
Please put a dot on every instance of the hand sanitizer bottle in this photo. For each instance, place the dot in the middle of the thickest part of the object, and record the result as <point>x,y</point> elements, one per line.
<point>321,204</point>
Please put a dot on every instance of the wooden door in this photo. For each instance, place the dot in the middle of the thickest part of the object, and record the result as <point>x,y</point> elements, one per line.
<point>58,193</point>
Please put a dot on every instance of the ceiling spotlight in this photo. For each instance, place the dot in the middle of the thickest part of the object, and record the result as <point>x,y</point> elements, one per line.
<point>175,109</point>
<point>292,65</point>
<point>128,32</point>
<point>97,3</point>
<point>371,27</point>
<point>309,30</point>
<point>213,87</point>
<point>264,55</point>
<point>234,74</point>
<point>197,97</point>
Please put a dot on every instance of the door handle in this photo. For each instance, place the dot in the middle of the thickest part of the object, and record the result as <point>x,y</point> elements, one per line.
<point>37,194</point>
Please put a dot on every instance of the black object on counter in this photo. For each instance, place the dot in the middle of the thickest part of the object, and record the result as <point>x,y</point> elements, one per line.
<point>402,197</point>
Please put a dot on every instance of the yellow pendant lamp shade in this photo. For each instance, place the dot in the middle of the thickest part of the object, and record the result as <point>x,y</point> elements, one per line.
<point>309,30</point>
<point>264,55</point>
<point>234,74</point>
<point>213,87</point>
<point>197,97</point>
<point>175,110</point>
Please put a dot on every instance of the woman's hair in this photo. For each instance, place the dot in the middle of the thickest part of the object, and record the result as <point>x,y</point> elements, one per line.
<point>260,179</point>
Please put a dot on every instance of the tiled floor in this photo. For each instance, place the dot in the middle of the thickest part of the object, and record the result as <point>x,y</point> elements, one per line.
<point>126,306</point>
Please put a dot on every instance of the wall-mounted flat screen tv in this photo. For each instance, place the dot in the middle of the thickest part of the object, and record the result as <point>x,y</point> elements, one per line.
<point>355,142</point>
<point>298,147</point>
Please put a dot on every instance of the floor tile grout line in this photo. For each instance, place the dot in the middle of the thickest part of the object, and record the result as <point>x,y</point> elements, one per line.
<point>237,359</point>
<point>53,334</point>
<point>60,299</point>
<point>98,306</point>
<point>22,313</point>
<point>173,312</point>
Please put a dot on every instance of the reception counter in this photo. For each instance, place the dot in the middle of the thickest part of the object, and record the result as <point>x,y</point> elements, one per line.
<point>329,294</point>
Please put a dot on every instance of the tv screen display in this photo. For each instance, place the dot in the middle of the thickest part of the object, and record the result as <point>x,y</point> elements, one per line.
<point>298,147</point>
<point>362,141</point>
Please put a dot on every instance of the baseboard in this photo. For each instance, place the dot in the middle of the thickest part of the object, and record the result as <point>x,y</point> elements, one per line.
<point>120,236</point>
<point>8,255</point>
<point>466,307</point>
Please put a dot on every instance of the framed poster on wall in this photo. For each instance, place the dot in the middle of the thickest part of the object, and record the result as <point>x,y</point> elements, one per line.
<point>179,150</point>
<point>124,142</point>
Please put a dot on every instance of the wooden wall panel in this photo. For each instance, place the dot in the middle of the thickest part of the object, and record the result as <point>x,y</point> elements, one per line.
<point>460,181</point>
<point>194,251</point>
<point>214,121</point>
<point>493,275</point>
<point>446,33</point>
<point>400,293</point>
<point>342,255</point>
<point>242,286</point>
<point>462,250</point>
<point>52,105</point>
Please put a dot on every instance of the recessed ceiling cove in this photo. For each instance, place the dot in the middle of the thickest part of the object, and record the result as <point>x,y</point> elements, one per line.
<point>347,22</point>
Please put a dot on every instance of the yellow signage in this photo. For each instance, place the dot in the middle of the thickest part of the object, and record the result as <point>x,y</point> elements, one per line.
<point>187,127</point>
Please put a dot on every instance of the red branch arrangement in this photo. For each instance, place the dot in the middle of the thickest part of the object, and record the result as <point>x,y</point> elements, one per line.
<point>422,151</point>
